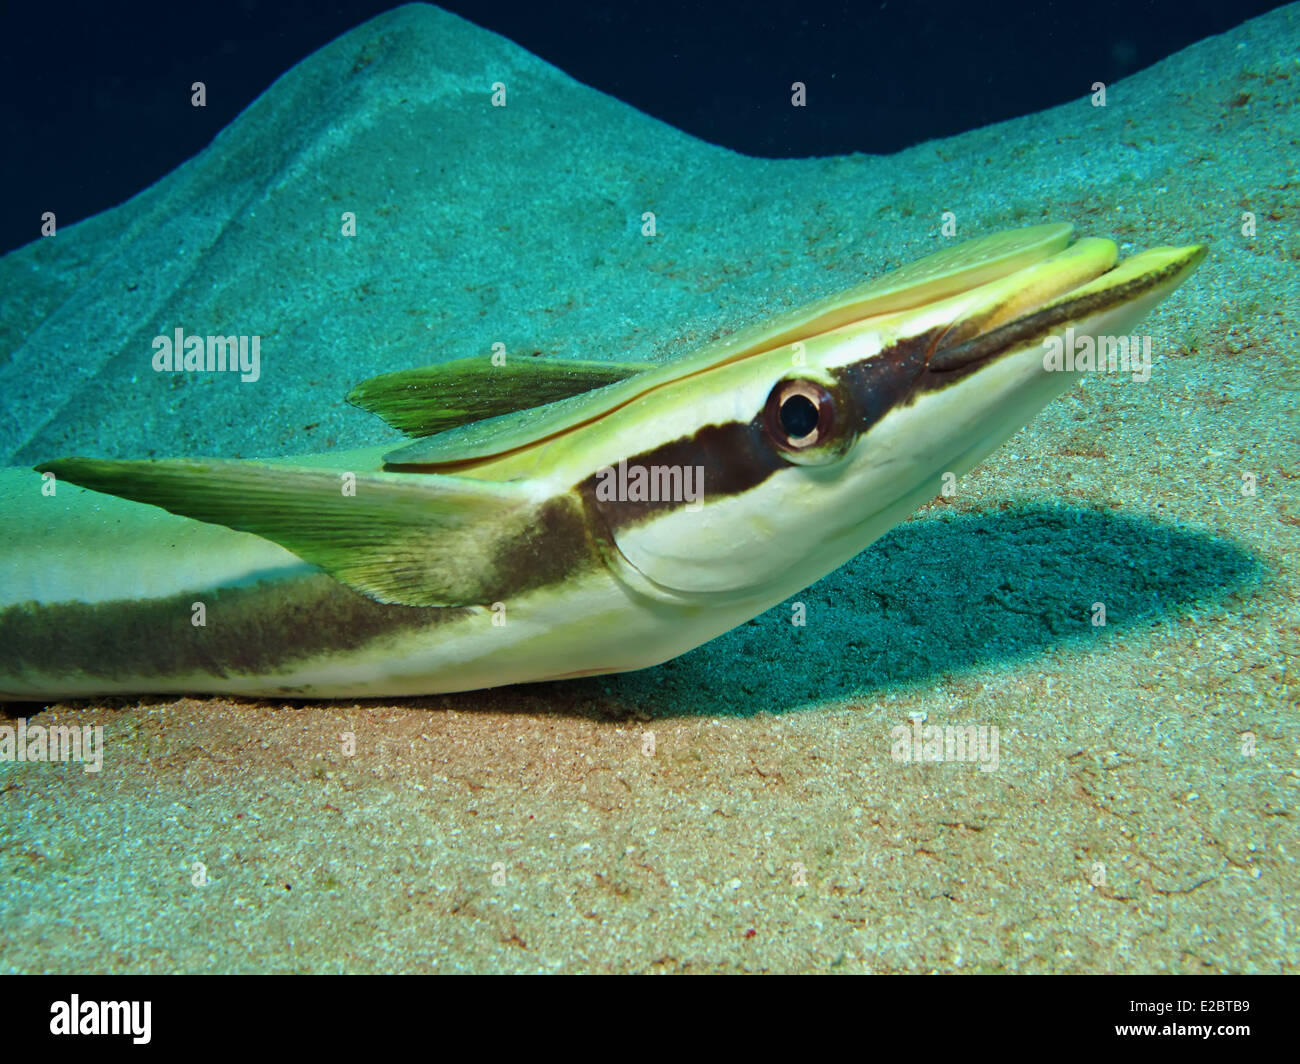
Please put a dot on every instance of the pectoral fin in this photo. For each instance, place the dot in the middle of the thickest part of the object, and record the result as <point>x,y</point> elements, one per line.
<point>430,399</point>
<point>424,540</point>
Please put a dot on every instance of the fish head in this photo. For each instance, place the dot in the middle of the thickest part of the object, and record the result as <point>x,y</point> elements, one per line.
<point>753,478</point>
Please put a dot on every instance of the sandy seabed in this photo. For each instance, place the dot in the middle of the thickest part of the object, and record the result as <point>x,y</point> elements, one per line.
<point>737,809</point>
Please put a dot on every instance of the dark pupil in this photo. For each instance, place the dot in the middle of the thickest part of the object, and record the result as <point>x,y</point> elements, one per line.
<point>798,416</point>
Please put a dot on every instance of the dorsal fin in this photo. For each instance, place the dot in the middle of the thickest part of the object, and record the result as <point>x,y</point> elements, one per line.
<point>430,399</point>
<point>419,540</point>
<point>927,280</point>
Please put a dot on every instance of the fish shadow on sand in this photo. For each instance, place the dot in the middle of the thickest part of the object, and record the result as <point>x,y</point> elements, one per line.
<point>946,593</point>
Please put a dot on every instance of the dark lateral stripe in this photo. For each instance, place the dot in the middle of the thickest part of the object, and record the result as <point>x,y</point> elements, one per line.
<point>260,630</point>
<point>738,456</point>
<point>734,456</point>
<point>558,544</point>
<point>878,385</point>
<point>251,630</point>
<point>957,361</point>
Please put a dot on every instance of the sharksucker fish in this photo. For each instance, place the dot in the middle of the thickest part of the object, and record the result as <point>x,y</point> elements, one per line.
<point>552,518</point>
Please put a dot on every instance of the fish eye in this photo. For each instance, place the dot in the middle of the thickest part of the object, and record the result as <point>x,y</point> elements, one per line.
<point>800,415</point>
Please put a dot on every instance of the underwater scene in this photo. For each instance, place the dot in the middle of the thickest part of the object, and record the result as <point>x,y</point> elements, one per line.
<point>657,489</point>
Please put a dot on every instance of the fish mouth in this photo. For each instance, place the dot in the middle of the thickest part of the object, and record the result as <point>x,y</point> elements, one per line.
<point>1081,284</point>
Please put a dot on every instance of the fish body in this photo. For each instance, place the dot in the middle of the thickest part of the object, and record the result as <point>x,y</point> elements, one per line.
<point>553,519</point>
